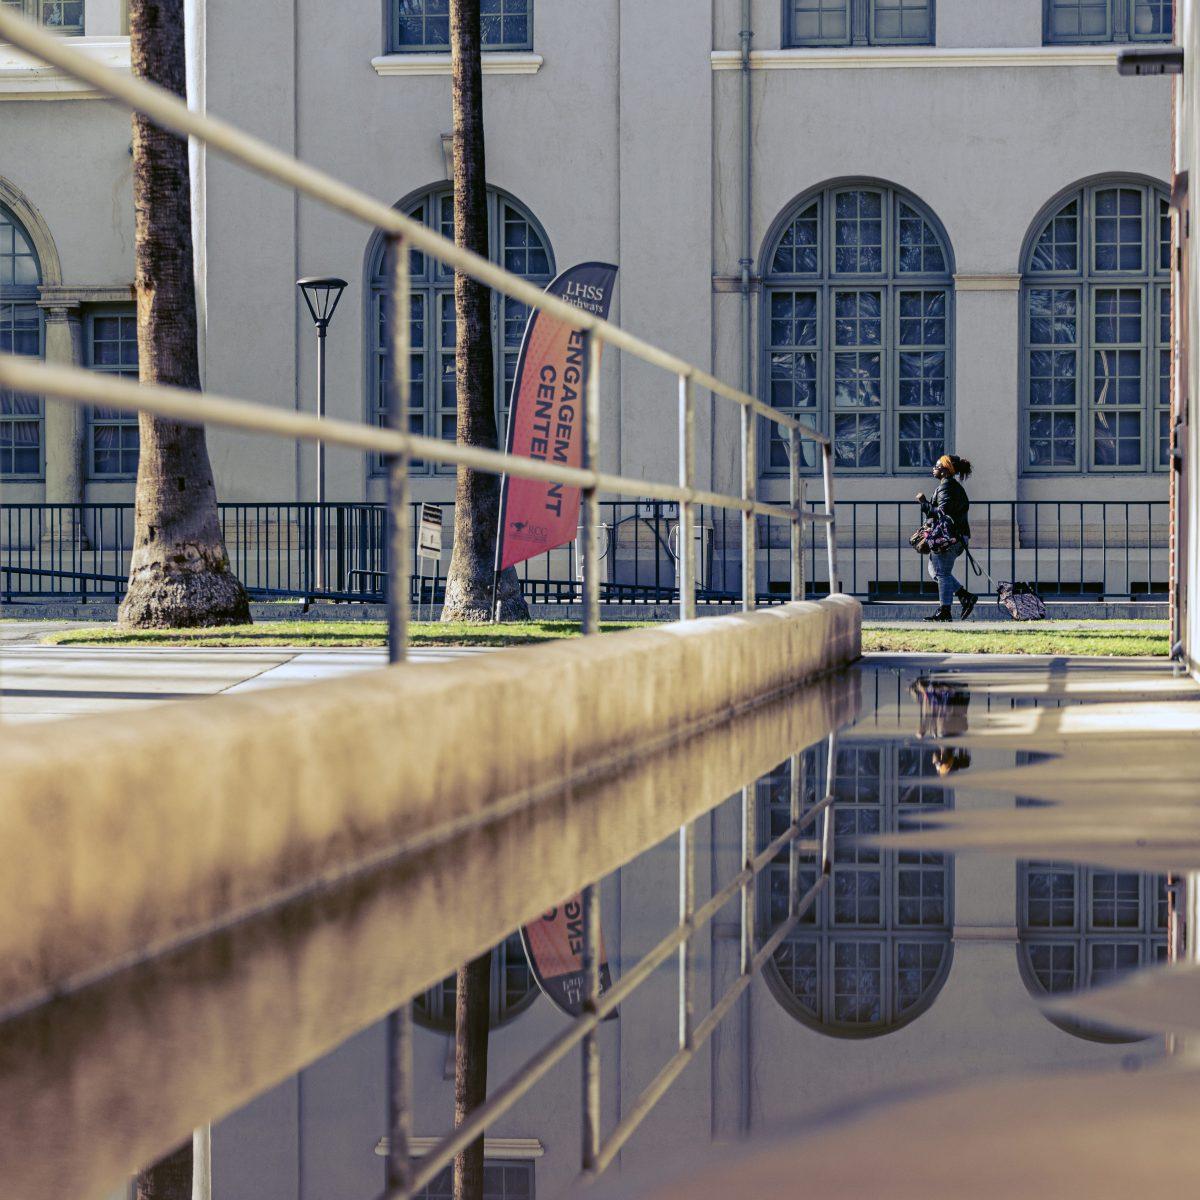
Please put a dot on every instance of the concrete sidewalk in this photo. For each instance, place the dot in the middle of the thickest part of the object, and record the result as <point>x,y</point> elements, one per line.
<point>40,683</point>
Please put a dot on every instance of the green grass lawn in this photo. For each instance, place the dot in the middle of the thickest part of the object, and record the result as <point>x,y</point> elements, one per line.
<point>332,633</point>
<point>1146,639</point>
<point>1118,639</point>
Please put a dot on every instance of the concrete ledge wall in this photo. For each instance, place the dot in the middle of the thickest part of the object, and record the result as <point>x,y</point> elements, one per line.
<point>118,839</point>
<point>225,1017</point>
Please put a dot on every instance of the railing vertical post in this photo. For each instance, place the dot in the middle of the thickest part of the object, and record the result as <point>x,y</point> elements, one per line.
<point>796,491</point>
<point>830,530</point>
<point>399,516</point>
<point>591,495</point>
<point>687,909</point>
<point>749,519</point>
<point>399,1170</point>
<point>796,796</point>
<point>827,842</point>
<point>400,1075</point>
<point>747,896</point>
<point>687,520</point>
<point>591,1044</point>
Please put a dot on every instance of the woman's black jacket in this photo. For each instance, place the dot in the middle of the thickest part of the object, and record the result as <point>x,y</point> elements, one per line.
<point>950,499</point>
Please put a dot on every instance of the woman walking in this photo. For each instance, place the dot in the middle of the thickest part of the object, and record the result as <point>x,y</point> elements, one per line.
<point>950,501</point>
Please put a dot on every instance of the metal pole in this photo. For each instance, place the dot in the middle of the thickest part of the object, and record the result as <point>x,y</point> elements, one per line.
<point>830,534</point>
<point>749,520</point>
<point>591,497</point>
<point>827,845</point>
<point>796,798</point>
<point>591,1045</point>
<point>320,555</point>
<point>687,909</point>
<point>202,1163</point>
<point>796,494</point>
<point>747,922</point>
<point>687,523</point>
<point>399,1171</point>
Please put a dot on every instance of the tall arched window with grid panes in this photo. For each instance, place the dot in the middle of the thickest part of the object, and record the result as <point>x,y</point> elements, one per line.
<point>519,244</point>
<point>858,329</point>
<point>1082,927</point>
<point>1096,331</point>
<point>21,332</point>
<point>874,950</point>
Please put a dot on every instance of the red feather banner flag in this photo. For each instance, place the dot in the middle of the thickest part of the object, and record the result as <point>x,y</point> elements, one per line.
<point>546,417</point>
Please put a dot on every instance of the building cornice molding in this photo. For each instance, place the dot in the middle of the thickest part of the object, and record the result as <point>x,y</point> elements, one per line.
<point>500,1147</point>
<point>884,57</point>
<point>25,78</point>
<point>71,295</point>
<point>495,62</point>
<point>987,283</point>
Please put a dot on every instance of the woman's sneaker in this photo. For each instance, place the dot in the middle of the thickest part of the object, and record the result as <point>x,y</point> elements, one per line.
<point>967,600</point>
<point>943,614</point>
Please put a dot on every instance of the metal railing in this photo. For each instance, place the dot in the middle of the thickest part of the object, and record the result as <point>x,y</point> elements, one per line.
<point>1071,550</point>
<point>398,448</point>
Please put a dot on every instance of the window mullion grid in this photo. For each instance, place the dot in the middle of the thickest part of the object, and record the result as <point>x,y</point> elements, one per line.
<point>1121,291</point>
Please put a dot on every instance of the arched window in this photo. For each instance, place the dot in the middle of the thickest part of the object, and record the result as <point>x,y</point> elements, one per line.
<point>873,952</point>
<point>1096,331</point>
<point>1075,21</point>
<point>516,242</point>
<point>1081,927</point>
<point>513,990</point>
<point>20,333</point>
<point>858,327</point>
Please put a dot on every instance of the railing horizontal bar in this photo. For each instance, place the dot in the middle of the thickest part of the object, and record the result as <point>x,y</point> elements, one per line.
<point>169,111</point>
<point>83,387</point>
<point>789,835</point>
<point>658,1086</point>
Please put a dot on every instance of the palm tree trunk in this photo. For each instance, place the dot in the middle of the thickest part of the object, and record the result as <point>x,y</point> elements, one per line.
<point>477,495</point>
<point>179,573</point>
<point>471,1012</point>
<point>170,1178</point>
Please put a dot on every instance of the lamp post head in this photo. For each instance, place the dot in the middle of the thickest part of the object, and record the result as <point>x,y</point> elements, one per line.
<point>321,294</point>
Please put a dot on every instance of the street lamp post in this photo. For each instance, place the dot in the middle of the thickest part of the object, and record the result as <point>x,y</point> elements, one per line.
<point>321,294</point>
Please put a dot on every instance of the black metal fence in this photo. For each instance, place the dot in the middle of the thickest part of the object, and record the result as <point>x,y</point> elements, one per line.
<point>1077,549</point>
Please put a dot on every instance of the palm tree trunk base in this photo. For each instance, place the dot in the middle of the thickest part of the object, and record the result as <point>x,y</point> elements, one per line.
<point>189,596</point>
<point>470,599</point>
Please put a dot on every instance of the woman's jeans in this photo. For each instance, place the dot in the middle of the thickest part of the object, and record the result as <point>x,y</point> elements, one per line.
<point>941,568</point>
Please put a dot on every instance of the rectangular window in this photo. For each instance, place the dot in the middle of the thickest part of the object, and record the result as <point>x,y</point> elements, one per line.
<point>1091,21</point>
<point>20,415</point>
<point>112,348</point>
<point>1117,378</point>
<point>857,378</point>
<point>423,26</point>
<point>61,16</point>
<point>503,1179</point>
<point>1162,397</point>
<point>921,395</point>
<point>858,22</point>
<point>1053,365</point>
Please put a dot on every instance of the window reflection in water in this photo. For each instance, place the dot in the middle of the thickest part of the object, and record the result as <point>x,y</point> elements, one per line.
<point>874,950</point>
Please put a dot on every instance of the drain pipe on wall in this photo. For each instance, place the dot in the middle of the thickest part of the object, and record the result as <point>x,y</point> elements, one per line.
<point>745,262</point>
